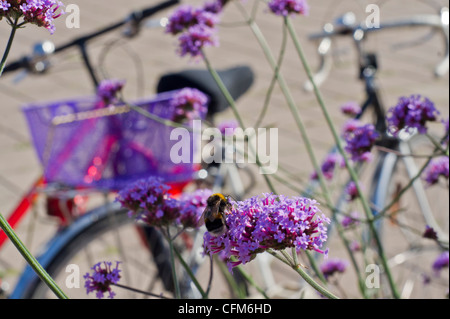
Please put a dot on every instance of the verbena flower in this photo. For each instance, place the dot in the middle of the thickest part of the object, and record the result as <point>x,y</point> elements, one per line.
<point>350,220</point>
<point>332,266</point>
<point>195,39</point>
<point>351,191</point>
<point>108,89</point>
<point>410,113</point>
<point>214,6</point>
<point>39,12</point>
<point>269,222</point>
<point>350,126</point>
<point>331,162</point>
<point>441,262</point>
<point>289,7</point>
<point>430,233</point>
<point>196,27</point>
<point>436,168</point>
<point>227,127</point>
<point>192,206</point>
<point>101,279</point>
<point>355,246</point>
<point>351,108</point>
<point>189,104</point>
<point>187,16</point>
<point>148,200</point>
<point>359,142</point>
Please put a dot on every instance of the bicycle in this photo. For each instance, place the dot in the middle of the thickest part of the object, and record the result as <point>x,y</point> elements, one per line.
<point>395,164</point>
<point>108,220</point>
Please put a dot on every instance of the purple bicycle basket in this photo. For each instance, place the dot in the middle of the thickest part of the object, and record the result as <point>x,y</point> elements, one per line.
<point>83,145</point>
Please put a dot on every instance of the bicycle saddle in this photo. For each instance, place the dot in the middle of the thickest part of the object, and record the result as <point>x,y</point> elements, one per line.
<point>237,79</point>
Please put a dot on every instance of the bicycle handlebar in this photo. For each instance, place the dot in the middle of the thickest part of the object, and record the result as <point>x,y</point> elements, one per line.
<point>359,32</point>
<point>135,18</point>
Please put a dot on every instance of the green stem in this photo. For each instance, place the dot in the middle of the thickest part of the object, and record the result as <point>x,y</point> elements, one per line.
<point>274,79</point>
<point>191,274</point>
<point>290,101</point>
<point>282,83</point>
<point>40,271</point>
<point>230,100</point>
<point>291,263</point>
<point>350,169</point>
<point>140,291</point>
<point>313,283</point>
<point>437,145</point>
<point>14,28</point>
<point>251,281</point>
<point>172,261</point>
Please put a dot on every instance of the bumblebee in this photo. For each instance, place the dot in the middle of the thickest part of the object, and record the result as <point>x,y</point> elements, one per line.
<point>214,215</point>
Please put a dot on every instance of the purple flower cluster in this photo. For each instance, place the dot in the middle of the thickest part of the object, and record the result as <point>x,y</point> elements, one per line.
<point>107,90</point>
<point>101,279</point>
<point>197,27</point>
<point>351,191</point>
<point>350,220</point>
<point>269,222</point>
<point>190,104</point>
<point>39,12</point>
<point>331,162</point>
<point>441,262</point>
<point>288,7</point>
<point>436,168</point>
<point>430,233</point>
<point>359,138</point>
<point>351,108</point>
<point>332,266</point>
<point>192,206</point>
<point>411,113</point>
<point>227,127</point>
<point>149,200</point>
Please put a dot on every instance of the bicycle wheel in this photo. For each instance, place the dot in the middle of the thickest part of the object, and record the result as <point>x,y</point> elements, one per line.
<point>404,221</point>
<point>104,234</point>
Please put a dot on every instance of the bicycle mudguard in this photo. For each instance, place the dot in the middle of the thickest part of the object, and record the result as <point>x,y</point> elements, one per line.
<point>237,80</point>
<point>29,279</point>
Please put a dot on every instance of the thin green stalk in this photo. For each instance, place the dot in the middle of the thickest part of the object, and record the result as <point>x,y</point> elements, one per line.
<point>191,274</point>
<point>438,145</point>
<point>172,261</point>
<point>350,169</point>
<point>316,269</point>
<point>140,291</point>
<point>230,100</point>
<point>314,284</point>
<point>35,265</point>
<point>274,79</point>
<point>403,190</point>
<point>289,98</point>
<point>14,27</point>
<point>282,83</point>
<point>298,268</point>
<point>251,281</point>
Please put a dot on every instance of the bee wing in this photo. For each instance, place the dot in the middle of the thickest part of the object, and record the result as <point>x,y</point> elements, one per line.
<point>208,213</point>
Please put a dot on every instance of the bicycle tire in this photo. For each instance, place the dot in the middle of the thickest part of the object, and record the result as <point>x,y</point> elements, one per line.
<point>412,254</point>
<point>87,229</point>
